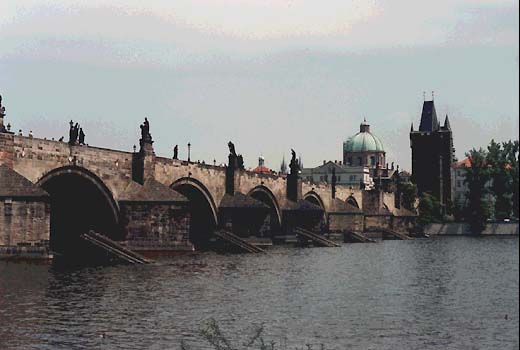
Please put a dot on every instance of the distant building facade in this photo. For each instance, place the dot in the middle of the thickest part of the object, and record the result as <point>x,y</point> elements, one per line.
<point>354,176</point>
<point>432,155</point>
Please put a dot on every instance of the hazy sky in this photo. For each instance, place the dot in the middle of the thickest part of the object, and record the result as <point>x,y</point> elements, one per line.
<point>268,74</point>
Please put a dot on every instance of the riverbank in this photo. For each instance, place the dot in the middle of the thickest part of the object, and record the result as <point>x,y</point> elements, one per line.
<point>463,229</point>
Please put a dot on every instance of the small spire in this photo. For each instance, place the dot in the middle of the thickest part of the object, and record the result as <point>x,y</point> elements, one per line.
<point>283,166</point>
<point>447,125</point>
<point>433,95</point>
<point>411,127</point>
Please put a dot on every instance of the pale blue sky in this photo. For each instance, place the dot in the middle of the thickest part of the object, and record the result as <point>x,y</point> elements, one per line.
<point>269,75</point>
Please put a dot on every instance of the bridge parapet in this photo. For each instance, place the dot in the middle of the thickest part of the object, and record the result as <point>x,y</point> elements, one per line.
<point>35,157</point>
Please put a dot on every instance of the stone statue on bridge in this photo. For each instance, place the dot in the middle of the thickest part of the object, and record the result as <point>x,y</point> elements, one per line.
<point>240,162</point>
<point>81,137</point>
<point>176,152</point>
<point>235,161</point>
<point>145,131</point>
<point>231,147</point>
<point>73,133</point>
<point>294,165</point>
<point>2,115</point>
<point>2,108</point>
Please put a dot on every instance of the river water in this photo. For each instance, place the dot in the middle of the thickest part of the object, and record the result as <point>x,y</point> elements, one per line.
<point>440,293</point>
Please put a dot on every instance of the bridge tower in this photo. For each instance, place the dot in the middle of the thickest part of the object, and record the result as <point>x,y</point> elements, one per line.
<point>432,155</point>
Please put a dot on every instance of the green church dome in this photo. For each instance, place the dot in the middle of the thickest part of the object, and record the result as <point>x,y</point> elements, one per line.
<point>363,141</point>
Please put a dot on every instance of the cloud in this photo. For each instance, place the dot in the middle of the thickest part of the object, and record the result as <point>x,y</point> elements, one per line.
<point>269,75</point>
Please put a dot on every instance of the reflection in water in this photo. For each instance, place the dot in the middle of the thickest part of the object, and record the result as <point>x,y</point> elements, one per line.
<point>446,293</point>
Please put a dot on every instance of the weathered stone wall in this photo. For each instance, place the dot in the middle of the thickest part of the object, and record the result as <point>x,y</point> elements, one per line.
<point>245,222</point>
<point>341,222</point>
<point>158,225</point>
<point>213,178</point>
<point>404,224</point>
<point>376,222</point>
<point>389,200</point>
<point>7,149</point>
<point>23,221</point>
<point>372,202</point>
<point>34,157</point>
<point>323,190</point>
<point>245,181</point>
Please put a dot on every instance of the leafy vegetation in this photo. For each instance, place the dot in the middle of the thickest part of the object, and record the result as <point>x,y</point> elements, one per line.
<point>492,179</point>
<point>477,176</point>
<point>429,209</point>
<point>214,336</point>
<point>409,195</point>
<point>503,164</point>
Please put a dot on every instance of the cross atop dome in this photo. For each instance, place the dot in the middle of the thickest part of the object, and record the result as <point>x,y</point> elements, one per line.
<point>364,126</point>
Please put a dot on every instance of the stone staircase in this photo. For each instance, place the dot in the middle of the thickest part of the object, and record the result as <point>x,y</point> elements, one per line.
<point>238,242</point>
<point>353,237</point>
<point>391,234</point>
<point>114,249</point>
<point>315,238</point>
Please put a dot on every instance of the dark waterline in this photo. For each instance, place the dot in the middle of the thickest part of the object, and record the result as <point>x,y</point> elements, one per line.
<point>442,293</point>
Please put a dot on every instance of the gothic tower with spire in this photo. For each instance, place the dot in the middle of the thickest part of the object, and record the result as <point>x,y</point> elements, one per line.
<point>432,155</point>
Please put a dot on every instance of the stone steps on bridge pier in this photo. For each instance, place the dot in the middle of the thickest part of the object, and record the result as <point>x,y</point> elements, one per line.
<point>315,238</point>
<point>394,234</point>
<point>354,237</point>
<point>238,242</point>
<point>113,248</point>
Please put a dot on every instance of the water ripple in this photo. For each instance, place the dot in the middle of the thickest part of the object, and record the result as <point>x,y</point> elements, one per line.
<point>446,293</point>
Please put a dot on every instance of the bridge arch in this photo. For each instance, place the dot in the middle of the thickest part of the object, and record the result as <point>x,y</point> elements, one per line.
<point>203,211</point>
<point>352,201</point>
<point>80,201</point>
<point>315,199</point>
<point>264,195</point>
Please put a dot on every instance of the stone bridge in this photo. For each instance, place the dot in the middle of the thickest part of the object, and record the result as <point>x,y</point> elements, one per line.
<point>130,194</point>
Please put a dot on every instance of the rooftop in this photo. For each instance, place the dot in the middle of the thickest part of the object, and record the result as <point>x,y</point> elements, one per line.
<point>240,200</point>
<point>15,185</point>
<point>151,191</point>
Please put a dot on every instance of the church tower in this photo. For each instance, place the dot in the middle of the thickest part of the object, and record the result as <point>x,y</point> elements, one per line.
<point>432,155</point>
